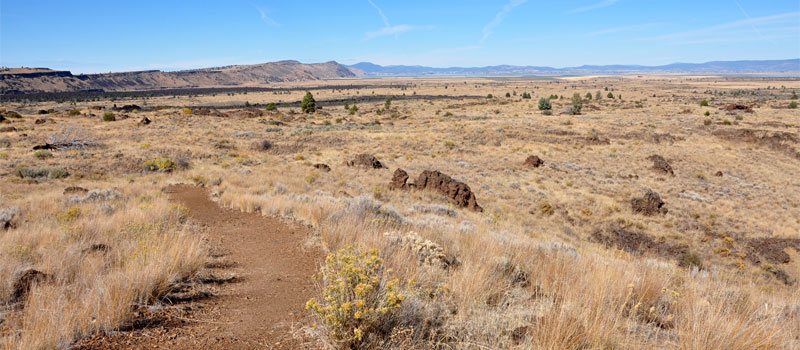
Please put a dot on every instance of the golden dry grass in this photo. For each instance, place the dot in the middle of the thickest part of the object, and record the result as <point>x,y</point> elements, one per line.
<point>525,277</point>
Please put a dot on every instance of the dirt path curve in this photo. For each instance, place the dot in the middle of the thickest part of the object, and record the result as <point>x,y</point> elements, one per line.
<point>260,309</point>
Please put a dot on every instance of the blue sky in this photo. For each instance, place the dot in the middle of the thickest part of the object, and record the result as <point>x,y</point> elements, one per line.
<point>116,35</point>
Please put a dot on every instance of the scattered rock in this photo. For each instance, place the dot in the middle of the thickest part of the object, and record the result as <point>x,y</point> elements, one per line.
<point>75,189</point>
<point>8,129</point>
<point>771,249</point>
<point>97,247</point>
<point>208,112</point>
<point>10,114</point>
<point>458,192</point>
<point>737,107</point>
<point>594,138</point>
<point>695,197</point>
<point>23,283</point>
<point>322,166</point>
<point>97,108</point>
<point>263,145</point>
<point>145,121</point>
<point>2,118</point>
<point>43,111</point>
<point>7,217</point>
<point>533,161</point>
<point>128,108</point>
<point>718,173</point>
<point>661,165</point>
<point>650,204</point>
<point>777,140</point>
<point>40,121</point>
<point>399,179</point>
<point>365,161</point>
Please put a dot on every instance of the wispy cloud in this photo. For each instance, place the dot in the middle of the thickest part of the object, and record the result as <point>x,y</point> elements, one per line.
<point>266,19</point>
<point>623,29</point>
<point>395,30</point>
<point>380,12</point>
<point>725,32</point>
<point>599,5</point>
<point>388,29</point>
<point>499,18</point>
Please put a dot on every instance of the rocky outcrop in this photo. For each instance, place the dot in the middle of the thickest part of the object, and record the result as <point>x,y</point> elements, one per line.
<point>661,165</point>
<point>534,162</point>
<point>365,161</point>
<point>458,192</point>
<point>650,204</point>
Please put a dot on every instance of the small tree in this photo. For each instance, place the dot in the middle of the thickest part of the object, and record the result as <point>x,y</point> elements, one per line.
<point>704,103</point>
<point>353,109</point>
<point>589,96</point>
<point>526,95</point>
<point>508,94</point>
<point>610,95</point>
<point>793,105</point>
<point>308,105</point>
<point>544,105</point>
<point>388,104</point>
<point>598,95</point>
<point>794,95</point>
<point>577,104</point>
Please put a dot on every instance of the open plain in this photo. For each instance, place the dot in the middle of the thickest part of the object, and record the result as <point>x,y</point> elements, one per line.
<point>665,214</point>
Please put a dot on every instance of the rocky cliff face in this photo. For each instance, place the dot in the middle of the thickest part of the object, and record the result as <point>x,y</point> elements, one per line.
<point>45,80</point>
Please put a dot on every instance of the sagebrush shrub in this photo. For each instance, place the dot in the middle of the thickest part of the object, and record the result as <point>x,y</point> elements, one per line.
<point>159,164</point>
<point>357,297</point>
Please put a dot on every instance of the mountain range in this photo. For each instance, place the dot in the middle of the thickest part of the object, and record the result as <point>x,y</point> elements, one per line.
<point>715,67</point>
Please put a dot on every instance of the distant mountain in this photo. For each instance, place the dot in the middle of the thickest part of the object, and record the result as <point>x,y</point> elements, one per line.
<point>25,80</point>
<point>716,67</point>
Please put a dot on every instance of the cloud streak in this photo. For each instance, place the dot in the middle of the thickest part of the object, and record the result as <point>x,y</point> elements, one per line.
<point>380,12</point>
<point>395,30</point>
<point>723,31</point>
<point>623,29</point>
<point>266,19</point>
<point>388,29</point>
<point>599,5</point>
<point>499,18</point>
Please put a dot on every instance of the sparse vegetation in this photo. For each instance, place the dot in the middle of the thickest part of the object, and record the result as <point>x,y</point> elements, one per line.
<point>109,117</point>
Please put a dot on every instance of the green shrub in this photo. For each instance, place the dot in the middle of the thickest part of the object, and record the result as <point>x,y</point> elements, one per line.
<point>577,104</point>
<point>271,106</point>
<point>43,154</point>
<point>707,122</point>
<point>793,105</point>
<point>544,104</point>
<point>526,96</point>
<point>34,173</point>
<point>589,96</point>
<point>794,95</point>
<point>704,103</point>
<point>309,105</point>
<point>610,95</point>
<point>109,117</point>
<point>707,113</point>
<point>159,164</point>
<point>74,112</point>
<point>357,298</point>
<point>353,109</point>
<point>489,96</point>
<point>508,94</point>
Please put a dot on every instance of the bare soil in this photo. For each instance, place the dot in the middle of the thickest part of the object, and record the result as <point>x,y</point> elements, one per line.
<point>262,306</point>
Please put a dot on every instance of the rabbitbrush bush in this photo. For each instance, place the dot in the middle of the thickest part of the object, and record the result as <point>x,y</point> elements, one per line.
<point>356,297</point>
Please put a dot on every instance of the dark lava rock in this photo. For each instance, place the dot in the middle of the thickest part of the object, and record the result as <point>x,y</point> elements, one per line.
<point>365,161</point>
<point>145,121</point>
<point>322,166</point>
<point>650,204</point>
<point>399,179</point>
<point>661,165</point>
<point>534,161</point>
<point>458,192</point>
<point>24,282</point>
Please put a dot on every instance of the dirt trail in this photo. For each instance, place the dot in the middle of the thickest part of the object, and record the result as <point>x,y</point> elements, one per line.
<point>260,308</point>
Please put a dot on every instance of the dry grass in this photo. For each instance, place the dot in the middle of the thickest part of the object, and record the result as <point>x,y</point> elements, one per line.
<point>519,277</point>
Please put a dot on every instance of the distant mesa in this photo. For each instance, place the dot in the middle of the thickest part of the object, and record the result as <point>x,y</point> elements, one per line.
<point>38,80</point>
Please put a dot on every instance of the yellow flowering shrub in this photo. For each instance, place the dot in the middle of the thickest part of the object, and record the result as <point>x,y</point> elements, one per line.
<point>159,164</point>
<point>356,297</point>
